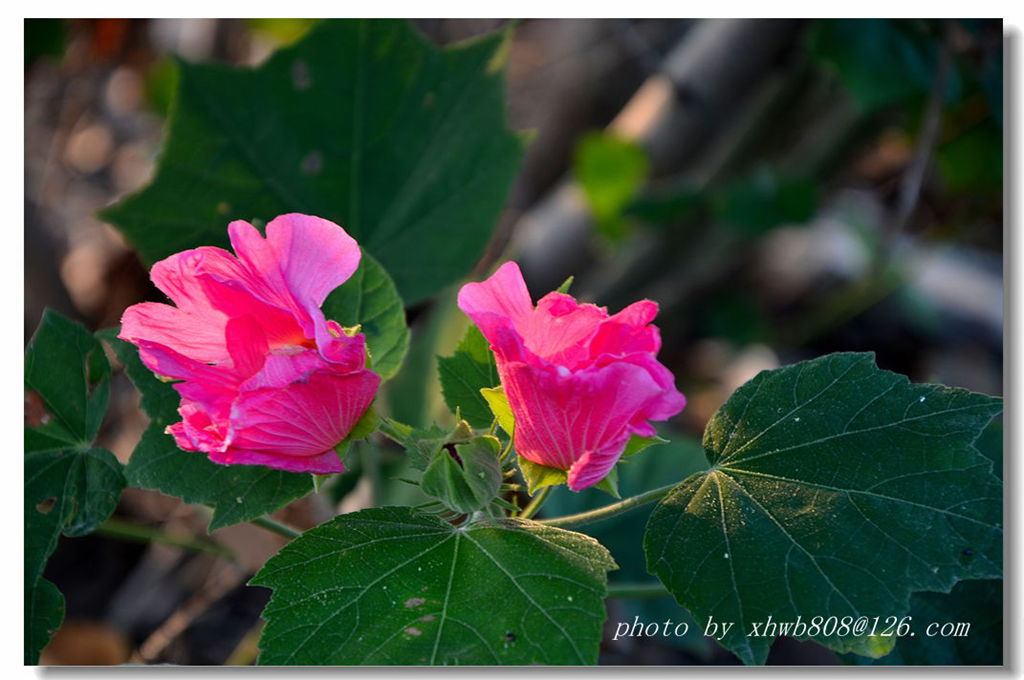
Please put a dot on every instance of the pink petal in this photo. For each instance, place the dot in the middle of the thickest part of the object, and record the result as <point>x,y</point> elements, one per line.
<point>302,259</point>
<point>593,466</point>
<point>500,301</point>
<point>561,415</point>
<point>304,418</point>
<point>323,464</point>
<point>192,335</point>
<point>247,343</point>
<point>558,328</point>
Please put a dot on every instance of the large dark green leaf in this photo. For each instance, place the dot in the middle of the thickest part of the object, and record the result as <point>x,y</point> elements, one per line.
<point>835,488</point>
<point>972,613</point>
<point>363,122</point>
<point>369,300</point>
<point>237,493</point>
<point>395,586</point>
<point>465,373</point>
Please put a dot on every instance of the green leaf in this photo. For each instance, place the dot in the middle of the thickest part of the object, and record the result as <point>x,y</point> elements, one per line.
<point>369,299</point>
<point>395,586</point>
<point>237,493</point>
<point>66,367</point>
<point>465,373</point>
<point>611,171</point>
<point>973,608</point>
<point>363,122</point>
<point>538,476</point>
<point>497,402</point>
<point>471,485</point>
<point>836,489</point>
<point>69,492</point>
<point>564,288</point>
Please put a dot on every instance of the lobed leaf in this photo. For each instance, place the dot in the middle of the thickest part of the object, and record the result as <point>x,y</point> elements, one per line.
<point>395,586</point>
<point>836,489</point>
<point>363,122</point>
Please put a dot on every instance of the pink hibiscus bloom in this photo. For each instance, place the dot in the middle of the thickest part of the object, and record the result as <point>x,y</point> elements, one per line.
<point>266,379</point>
<point>579,381</point>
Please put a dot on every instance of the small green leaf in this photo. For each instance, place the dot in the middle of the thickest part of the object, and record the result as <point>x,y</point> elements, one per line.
<point>498,404</point>
<point>636,444</point>
<point>538,476</point>
<point>363,122</point>
<point>66,367</point>
<point>370,301</point>
<point>471,485</point>
<point>237,493</point>
<point>463,375</point>
<point>564,288</point>
<point>393,586</point>
<point>835,489</point>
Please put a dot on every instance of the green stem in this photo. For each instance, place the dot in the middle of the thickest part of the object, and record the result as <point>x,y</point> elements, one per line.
<point>534,505</point>
<point>607,511</point>
<point>278,528</point>
<point>637,590</point>
<point>129,531</point>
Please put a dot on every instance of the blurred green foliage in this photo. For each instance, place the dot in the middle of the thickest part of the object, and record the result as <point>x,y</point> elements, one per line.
<point>611,171</point>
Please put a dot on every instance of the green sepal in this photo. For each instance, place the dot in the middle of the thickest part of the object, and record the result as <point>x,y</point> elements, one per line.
<point>538,476</point>
<point>636,444</point>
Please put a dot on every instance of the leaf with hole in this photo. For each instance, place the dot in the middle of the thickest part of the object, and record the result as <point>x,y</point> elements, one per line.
<point>363,122</point>
<point>835,488</point>
<point>393,586</point>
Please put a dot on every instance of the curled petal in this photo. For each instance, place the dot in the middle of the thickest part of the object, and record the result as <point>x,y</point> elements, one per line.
<point>500,301</point>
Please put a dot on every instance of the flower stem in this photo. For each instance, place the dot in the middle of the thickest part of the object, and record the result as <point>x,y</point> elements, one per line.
<point>607,511</point>
<point>534,505</point>
<point>278,528</point>
<point>129,531</point>
<point>637,590</point>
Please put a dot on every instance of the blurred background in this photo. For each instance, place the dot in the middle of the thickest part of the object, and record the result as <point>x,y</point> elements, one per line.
<point>783,189</point>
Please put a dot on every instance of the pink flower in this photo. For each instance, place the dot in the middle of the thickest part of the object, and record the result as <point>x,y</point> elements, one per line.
<point>266,378</point>
<point>579,381</point>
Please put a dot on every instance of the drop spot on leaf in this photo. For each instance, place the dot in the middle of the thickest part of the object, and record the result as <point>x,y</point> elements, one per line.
<point>312,163</point>
<point>415,632</point>
<point>46,506</point>
<point>510,637</point>
<point>414,602</point>
<point>223,208</point>
<point>300,75</point>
